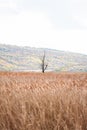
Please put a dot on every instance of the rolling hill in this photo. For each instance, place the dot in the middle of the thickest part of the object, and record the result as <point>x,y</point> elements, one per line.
<point>15,58</point>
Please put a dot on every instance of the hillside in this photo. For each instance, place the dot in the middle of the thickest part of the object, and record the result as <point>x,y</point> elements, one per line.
<point>14,58</point>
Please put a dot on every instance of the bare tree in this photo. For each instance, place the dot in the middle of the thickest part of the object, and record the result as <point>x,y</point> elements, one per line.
<point>43,63</point>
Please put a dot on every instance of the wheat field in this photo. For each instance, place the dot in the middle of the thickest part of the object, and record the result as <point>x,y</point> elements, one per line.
<point>49,101</point>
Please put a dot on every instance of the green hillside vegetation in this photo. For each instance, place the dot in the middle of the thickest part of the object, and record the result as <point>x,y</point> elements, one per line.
<point>15,58</point>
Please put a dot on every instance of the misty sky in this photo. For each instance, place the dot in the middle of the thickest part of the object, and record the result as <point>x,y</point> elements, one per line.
<point>57,24</point>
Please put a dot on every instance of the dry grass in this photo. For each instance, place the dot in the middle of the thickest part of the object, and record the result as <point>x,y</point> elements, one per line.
<point>35,101</point>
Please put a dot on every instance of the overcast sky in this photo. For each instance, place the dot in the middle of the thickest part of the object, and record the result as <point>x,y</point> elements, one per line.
<point>57,24</point>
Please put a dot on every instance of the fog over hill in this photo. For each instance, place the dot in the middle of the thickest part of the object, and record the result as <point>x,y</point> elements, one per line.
<point>15,58</point>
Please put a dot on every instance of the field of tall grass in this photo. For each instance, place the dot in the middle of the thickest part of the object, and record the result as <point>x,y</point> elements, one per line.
<point>49,101</point>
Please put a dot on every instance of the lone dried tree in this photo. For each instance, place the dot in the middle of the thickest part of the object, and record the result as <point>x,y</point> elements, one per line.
<point>43,63</point>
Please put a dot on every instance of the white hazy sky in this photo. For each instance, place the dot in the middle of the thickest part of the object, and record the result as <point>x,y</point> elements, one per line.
<point>57,24</point>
